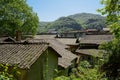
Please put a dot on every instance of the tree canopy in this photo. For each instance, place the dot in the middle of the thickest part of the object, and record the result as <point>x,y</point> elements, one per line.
<point>111,66</point>
<point>16,15</point>
<point>112,10</point>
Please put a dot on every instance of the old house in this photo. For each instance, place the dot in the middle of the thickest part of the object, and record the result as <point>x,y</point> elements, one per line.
<point>96,39</point>
<point>90,55</point>
<point>71,34</point>
<point>61,44</point>
<point>35,60</point>
<point>89,46</point>
<point>44,36</point>
<point>68,59</point>
<point>6,40</point>
<point>105,31</point>
<point>70,42</point>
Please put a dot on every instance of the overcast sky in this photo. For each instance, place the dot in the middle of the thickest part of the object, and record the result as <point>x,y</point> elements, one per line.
<point>50,10</point>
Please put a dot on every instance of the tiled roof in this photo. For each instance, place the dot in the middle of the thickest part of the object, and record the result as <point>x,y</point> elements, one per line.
<point>24,55</point>
<point>67,41</point>
<point>96,39</point>
<point>6,39</point>
<point>67,56</point>
<point>44,36</point>
<point>92,52</point>
<point>62,40</point>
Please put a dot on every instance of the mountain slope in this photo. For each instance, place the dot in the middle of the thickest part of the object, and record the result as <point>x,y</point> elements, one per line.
<point>88,20</point>
<point>43,27</point>
<point>65,24</point>
<point>74,22</point>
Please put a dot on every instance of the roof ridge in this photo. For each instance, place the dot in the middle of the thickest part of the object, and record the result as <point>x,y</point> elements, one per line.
<point>25,43</point>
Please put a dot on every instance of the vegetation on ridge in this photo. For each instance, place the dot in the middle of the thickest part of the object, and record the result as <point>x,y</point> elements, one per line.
<point>75,22</point>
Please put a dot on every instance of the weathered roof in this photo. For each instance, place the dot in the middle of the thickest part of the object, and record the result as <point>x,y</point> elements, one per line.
<point>106,29</point>
<point>56,42</point>
<point>67,41</point>
<point>67,56</point>
<point>6,39</point>
<point>96,39</point>
<point>44,36</point>
<point>24,55</point>
<point>92,52</point>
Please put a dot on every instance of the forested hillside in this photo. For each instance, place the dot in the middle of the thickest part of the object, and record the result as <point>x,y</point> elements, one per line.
<point>43,27</point>
<point>88,20</point>
<point>65,24</point>
<point>74,22</point>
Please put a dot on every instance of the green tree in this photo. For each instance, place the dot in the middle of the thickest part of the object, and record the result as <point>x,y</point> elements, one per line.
<point>111,66</point>
<point>84,72</point>
<point>112,9</point>
<point>16,15</point>
<point>9,73</point>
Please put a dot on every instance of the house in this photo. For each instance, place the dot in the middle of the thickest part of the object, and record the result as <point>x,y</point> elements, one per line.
<point>104,31</point>
<point>47,36</point>
<point>96,39</point>
<point>92,31</point>
<point>70,42</point>
<point>61,44</point>
<point>53,31</point>
<point>89,47</point>
<point>91,55</point>
<point>35,60</point>
<point>6,39</point>
<point>68,59</point>
<point>70,34</point>
<point>89,52</point>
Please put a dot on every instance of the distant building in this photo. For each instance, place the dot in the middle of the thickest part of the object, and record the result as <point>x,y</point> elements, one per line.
<point>52,31</point>
<point>96,39</point>
<point>67,60</point>
<point>71,34</point>
<point>89,47</point>
<point>106,29</point>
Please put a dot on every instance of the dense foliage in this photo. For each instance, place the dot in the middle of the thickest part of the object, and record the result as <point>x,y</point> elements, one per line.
<point>84,72</point>
<point>9,73</point>
<point>16,15</point>
<point>75,22</point>
<point>112,9</point>
<point>112,63</point>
